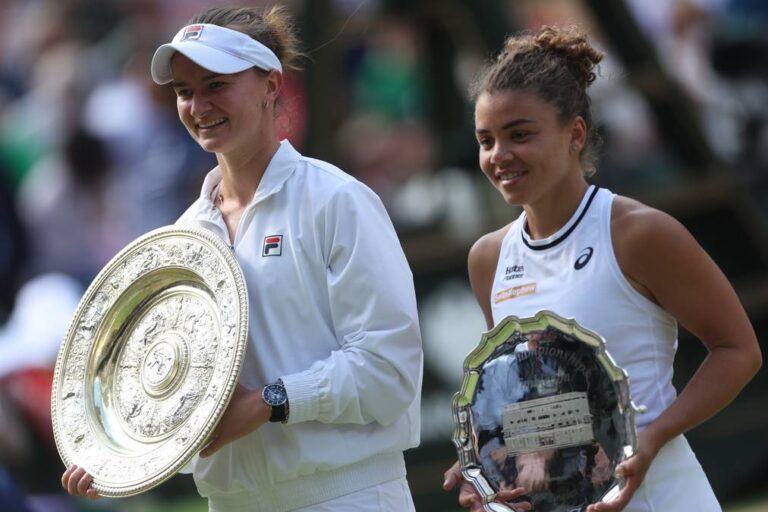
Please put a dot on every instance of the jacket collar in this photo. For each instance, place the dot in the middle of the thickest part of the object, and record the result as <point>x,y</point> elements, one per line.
<point>280,168</point>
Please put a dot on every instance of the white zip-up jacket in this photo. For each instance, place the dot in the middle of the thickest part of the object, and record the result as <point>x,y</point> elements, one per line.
<point>332,312</point>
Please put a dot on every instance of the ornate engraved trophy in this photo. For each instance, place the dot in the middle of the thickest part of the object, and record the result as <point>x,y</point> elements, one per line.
<point>543,392</point>
<point>150,360</point>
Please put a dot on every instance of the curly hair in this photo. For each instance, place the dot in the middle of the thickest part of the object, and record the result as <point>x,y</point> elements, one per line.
<point>558,64</point>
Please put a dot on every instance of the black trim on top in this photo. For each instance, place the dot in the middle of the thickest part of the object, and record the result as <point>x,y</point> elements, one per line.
<point>564,235</point>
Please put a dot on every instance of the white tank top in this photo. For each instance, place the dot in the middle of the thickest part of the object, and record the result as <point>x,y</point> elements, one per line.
<point>574,273</point>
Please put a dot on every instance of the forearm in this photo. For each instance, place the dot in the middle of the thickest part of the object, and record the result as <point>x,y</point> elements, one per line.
<point>368,380</point>
<point>375,374</point>
<point>721,376</point>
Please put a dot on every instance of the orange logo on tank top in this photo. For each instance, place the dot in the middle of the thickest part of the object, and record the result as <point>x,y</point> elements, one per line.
<point>514,292</point>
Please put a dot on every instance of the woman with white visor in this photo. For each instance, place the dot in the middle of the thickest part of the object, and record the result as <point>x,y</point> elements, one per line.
<point>329,391</point>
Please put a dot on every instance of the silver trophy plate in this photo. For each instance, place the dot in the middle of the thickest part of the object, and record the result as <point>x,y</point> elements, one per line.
<point>150,360</point>
<point>543,392</point>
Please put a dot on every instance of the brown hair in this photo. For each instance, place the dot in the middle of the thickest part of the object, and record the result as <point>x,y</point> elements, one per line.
<point>271,27</point>
<point>557,64</point>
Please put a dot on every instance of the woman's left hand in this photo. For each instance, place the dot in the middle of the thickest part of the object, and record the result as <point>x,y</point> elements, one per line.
<point>633,471</point>
<point>246,412</point>
<point>470,498</point>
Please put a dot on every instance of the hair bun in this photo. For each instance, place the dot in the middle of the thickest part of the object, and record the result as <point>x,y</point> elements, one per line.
<point>571,42</point>
<point>557,64</point>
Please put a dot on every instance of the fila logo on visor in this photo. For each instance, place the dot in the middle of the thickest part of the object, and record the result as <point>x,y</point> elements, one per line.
<point>192,32</point>
<point>273,245</point>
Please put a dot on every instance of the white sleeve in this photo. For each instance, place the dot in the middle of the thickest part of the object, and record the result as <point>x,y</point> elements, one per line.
<point>377,373</point>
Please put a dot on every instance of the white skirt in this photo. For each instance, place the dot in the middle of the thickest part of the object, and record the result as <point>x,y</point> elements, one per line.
<point>393,496</point>
<point>674,482</point>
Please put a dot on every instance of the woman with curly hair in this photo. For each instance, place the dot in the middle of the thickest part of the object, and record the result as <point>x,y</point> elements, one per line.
<point>620,268</point>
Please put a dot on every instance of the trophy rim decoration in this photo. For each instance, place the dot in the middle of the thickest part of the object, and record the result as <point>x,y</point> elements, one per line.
<point>132,297</point>
<point>469,464</point>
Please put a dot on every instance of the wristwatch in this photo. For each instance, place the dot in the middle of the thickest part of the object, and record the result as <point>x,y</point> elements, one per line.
<point>277,398</point>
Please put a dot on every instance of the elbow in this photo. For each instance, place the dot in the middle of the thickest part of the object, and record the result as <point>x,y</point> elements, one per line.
<point>752,360</point>
<point>409,391</point>
<point>389,416</point>
<point>395,397</point>
<point>757,359</point>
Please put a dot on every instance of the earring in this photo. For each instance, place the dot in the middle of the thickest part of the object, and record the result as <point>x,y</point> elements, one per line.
<point>574,146</point>
<point>264,104</point>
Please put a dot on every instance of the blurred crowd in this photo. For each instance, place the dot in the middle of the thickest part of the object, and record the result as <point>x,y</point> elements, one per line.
<point>92,154</point>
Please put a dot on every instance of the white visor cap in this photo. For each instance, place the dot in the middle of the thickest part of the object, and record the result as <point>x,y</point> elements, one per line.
<point>218,49</point>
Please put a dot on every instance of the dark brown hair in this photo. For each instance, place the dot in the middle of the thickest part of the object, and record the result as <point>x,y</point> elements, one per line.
<point>271,27</point>
<point>557,64</point>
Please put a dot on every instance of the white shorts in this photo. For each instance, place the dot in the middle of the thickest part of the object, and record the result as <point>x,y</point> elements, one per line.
<point>387,497</point>
<point>674,482</point>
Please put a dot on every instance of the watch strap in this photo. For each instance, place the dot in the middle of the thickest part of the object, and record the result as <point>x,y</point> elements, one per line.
<point>279,413</point>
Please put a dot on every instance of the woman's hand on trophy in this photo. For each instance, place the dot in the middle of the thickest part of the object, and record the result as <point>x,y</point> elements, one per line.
<point>469,497</point>
<point>633,472</point>
<point>77,482</point>
<point>246,412</point>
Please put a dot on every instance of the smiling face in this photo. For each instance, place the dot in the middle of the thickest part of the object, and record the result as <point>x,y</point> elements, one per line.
<point>224,113</point>
<point>526,151</point>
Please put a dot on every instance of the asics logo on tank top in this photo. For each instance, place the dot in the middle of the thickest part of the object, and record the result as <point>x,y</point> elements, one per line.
<point>583,258</point>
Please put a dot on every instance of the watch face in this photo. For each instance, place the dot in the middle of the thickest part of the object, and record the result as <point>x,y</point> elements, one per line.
<point>275,395</point>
